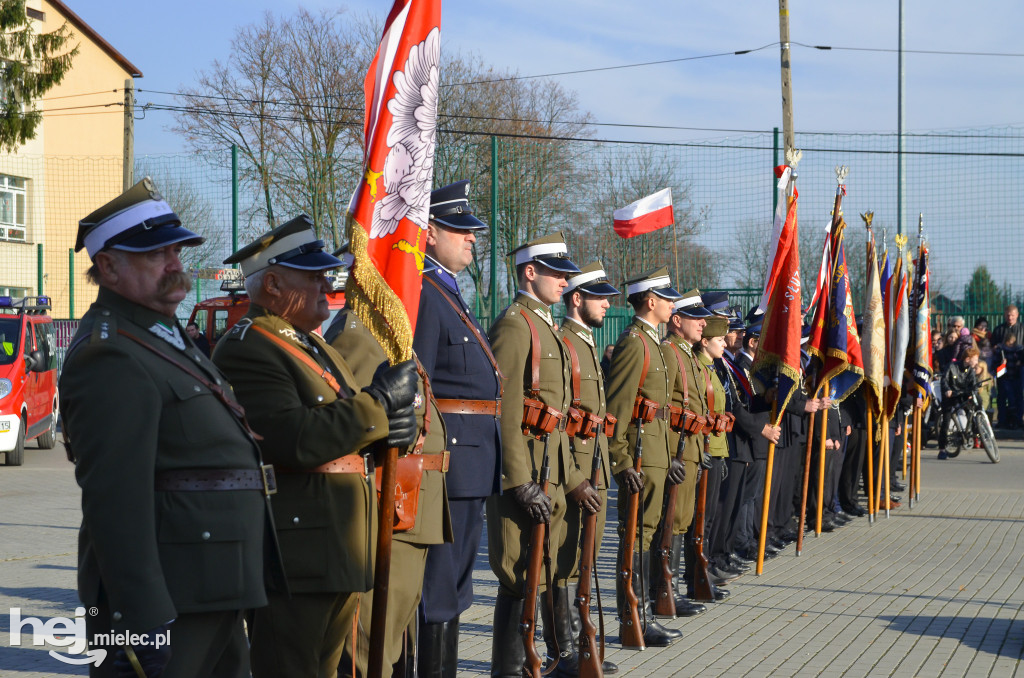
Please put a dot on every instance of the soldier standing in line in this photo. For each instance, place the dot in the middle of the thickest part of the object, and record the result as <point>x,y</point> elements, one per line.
<point>303,399</point>
<point>586,302</point>
<point>421,508</point>
<point>537,392</point>
<point>174,514</point>
<point>456,355</point>
<point>652,297</point>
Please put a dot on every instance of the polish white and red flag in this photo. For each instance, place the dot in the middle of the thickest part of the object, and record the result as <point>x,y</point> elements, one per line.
<point>645,215</point>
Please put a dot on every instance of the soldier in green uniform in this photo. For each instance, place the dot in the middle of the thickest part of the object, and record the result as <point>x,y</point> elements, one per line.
<point>427,461</point>
<point>652,297</point>
<point>303,399</point>
<point>174,515</point>
<point>586,300</point>
<point>536,395</point>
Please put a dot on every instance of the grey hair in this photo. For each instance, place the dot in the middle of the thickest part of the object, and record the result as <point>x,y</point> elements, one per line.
<point>957,319</point>
<point>254,283</point>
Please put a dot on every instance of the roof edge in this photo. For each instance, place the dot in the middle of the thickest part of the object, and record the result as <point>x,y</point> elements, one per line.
<point>91,33</point>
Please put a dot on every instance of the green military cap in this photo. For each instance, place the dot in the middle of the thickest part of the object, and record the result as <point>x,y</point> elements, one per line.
<point>549,250</point>
<point>716,326</point>
<point>138,220</point>
<point>592,279</point>
<point>293,244</point>
<point>657,281</point>
<point>691,306</point>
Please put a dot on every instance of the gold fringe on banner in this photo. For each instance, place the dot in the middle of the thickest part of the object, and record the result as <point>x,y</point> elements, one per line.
<point>373,300</point>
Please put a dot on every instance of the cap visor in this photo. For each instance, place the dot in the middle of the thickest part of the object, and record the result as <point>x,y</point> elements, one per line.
<point>600,289</point>
<point>313,261</point>
<point>694,312</point>
<point>560,264</point>
<point>461,222</point>
<point>669,293</point>
<point>159,237</point>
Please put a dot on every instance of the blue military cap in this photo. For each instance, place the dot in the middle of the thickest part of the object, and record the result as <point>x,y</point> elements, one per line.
<point>754,329</point>
<point>753,314</point>
<point>716,302</point>
<point>449,206</point>
<point>736,323</point>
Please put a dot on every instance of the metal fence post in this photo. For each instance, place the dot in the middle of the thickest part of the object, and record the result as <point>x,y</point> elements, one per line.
<point>494,227</point>
<point>39,269</point>
<point>71,283</point>
<point>234,200</point>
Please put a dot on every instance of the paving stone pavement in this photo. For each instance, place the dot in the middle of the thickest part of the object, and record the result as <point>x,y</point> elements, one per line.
<point>931,591</point>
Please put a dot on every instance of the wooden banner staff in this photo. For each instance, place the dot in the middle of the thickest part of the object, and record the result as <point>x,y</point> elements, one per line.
<point>906,442</point>
<point>821,463</point>
<point>914,438</point>
<point>886,461</point>
<point>870,485</point>
<point>763,537</point>
<point>807,482</point>
<point>917,464</point>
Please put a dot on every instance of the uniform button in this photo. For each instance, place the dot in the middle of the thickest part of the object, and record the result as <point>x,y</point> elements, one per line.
<point>319,399</point>
<point>465,338</point>
<point>454,441</point>
<point>217,381</point>
<point>295,520</point>
<point>205,535</point>
<point>196,357</point>
<point>314,350</point>
<point>117,616</point>
<point>196,388</point>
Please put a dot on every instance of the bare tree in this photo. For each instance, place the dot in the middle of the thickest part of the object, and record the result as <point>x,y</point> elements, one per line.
<point>748,257</point>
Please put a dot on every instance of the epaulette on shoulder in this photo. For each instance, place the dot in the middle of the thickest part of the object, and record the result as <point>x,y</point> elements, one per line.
<point>238,331</point>
<point>105,327</point>
<point>511,310</point>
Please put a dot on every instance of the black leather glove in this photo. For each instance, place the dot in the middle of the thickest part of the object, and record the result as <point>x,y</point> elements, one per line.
<point>395,389</point>
<point>676,472</point>
<point>152,659</point>
<point>705,460</point>
<point>631,481</point>
<point>725,469</point>
<point>534,501</point>
<point>586,496</point>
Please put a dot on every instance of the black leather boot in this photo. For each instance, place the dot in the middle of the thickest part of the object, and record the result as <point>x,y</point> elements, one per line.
<point>450,662</point>
<point>684,606</point>
<point>558,635</point>
<point>655,635</point>
<point>430,650</point>
<point>507,652</point>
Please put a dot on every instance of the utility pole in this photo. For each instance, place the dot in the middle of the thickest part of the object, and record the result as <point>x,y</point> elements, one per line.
<point>899,133</point>
<point>787,81</point>
<point>129,134</point>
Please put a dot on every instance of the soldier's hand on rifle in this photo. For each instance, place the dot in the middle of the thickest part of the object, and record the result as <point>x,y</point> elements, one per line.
<point>586,496</point>
<point>533,500</point>
<point>395,389</point>
<point>676,472</point>
<point>630,480</point>
<point>705,459</point>
<point>771,433</point>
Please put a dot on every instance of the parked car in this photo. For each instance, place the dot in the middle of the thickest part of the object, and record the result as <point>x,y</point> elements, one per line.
<point>28,376</point>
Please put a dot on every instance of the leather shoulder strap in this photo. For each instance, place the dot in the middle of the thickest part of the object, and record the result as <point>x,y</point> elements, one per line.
<point>711,391</point>
<point>575,362</point>
<point>303,358</point>
<point>647,362</point>
<point>484,344</point>
<point>682,372</point>
<point>534,356</point>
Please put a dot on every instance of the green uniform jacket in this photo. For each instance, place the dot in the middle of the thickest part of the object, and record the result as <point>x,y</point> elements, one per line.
<point>592,397</point>
<point>363,353</point>
<point>697,392</point>
<point>326,522</point>
<point>719,445</point>
<point>623,380</point>
<point>511,342</point>
<point>129,415</point>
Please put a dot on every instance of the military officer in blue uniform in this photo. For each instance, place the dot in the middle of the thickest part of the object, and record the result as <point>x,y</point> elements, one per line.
<point>455,353</point>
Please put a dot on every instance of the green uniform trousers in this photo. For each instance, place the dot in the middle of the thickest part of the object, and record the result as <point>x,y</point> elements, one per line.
<point>302,635</point>
<point>652,504</point>
<point>569,553</point>
<point>508,538</point>
<point>686,497</point>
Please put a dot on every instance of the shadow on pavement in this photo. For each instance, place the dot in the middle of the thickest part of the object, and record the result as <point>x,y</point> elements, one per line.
<point>1003,637</point>
<point>35,660</point>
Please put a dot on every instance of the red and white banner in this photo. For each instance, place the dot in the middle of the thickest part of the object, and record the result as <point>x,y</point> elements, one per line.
<point>645,215</point>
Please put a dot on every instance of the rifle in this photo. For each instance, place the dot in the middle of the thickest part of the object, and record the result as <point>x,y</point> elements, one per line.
<point>537,555</point>
<point>631,633</point>
<point>590,660</point>
<point>702,589</point>
<point>664,593</point>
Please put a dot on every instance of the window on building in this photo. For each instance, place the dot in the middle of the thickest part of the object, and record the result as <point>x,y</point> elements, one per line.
<point>12,208</point>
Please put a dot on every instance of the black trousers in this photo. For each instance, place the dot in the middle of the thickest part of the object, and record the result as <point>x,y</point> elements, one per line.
<point>854,459</point>
<point>750,514</point>
<point>723,536</point>
<point>448,578</point>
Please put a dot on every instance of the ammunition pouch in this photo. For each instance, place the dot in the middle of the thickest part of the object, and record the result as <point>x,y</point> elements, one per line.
<point>645,409</point>
<point>574,420</point>
<point>729,420</point>
<point>539,420</point>
<point>609,425</point>
<point>590,425</point>
<point>408,478</point>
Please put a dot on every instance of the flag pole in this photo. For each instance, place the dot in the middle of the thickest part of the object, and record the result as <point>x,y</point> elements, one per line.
<point>763,537</point>
<point>821,464</point>
<point>870,485</point>
<point>906,441</point>
<point>807,482</point>
<point>887,461</point>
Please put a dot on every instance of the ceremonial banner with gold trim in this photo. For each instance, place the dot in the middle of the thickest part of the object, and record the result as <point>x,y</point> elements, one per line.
<point>873,336</point>
<point>920,359</point>
<point>391,205</point>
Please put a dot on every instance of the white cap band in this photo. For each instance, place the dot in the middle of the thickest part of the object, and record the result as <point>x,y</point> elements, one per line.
<point>528,254</point>
<point>584,278</point>
<point>97,238</point>
<point>261,260</point>
<point>687,302</point>
<point>650,283</point>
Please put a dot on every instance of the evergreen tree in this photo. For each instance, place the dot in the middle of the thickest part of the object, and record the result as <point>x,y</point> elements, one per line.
<point>30,64</point>
<point>982,295</point>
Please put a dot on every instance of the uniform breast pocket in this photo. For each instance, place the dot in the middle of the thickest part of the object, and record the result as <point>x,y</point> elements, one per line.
<point>303,533</point>
<point>202,556</point>
<point>199,416</point>
<point>463,350</point>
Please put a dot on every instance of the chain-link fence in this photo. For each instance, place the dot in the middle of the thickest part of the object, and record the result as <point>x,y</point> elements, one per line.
<point>966,183</point>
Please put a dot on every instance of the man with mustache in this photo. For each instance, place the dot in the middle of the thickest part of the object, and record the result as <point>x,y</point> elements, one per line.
<point>174,494</point>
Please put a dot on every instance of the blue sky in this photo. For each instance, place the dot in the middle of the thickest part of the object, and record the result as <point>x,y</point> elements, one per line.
<point>170,42</point>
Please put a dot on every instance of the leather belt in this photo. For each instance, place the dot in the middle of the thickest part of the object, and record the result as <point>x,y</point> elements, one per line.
<point>664,413</point>
<point>456,406</point>
<point>363,465</point>
<point>562,423</point>
<point>213,480</point>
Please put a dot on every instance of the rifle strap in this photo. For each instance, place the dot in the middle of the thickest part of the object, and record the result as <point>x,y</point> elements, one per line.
<point>574,360</point>
<point>682,372</point>
<point>471,326</point>
<point>534,357</point>
<point>549,596</point>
